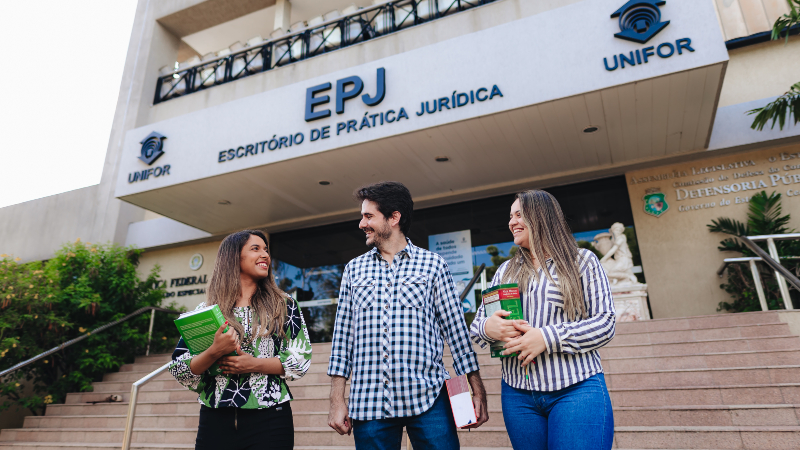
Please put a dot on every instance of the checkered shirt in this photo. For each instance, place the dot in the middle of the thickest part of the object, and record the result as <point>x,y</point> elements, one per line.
<point>391,324</point>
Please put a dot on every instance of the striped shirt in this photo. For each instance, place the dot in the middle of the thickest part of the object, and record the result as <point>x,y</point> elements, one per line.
<point>571,347</point>
<point>391,324</point>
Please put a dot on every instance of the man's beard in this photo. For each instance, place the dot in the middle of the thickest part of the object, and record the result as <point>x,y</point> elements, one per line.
<point>379,236</point>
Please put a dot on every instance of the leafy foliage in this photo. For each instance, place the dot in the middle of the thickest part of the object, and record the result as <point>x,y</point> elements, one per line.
<point>46,303</point>
<point>787,104</point>
<point>764,216</point>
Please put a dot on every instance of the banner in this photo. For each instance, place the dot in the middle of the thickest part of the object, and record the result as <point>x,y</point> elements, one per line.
<point>456,249</point>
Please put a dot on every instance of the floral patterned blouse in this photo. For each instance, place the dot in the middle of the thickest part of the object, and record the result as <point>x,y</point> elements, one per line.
<point>254,390</point>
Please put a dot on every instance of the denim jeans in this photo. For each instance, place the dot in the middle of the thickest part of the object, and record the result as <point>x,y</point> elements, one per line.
<point>433,429</point>
<point>578,417</point>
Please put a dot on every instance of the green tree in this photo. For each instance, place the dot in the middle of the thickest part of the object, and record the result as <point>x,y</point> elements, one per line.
<point>788,104</point>
<point>765,216</point>
<point>47,303</point>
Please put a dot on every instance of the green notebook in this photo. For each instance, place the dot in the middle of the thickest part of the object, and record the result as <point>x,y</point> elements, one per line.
<point>502,297</point>
<point>198,328</point>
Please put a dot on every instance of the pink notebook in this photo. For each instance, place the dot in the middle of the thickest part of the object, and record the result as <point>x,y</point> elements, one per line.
<point>461,401</point>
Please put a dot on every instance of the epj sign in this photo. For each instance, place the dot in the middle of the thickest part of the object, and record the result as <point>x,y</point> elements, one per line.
<point>346,89</point>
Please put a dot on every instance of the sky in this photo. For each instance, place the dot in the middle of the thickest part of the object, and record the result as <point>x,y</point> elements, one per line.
<point>59,83</point>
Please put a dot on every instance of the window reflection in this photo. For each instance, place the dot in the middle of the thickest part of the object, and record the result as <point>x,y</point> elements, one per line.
<point>317,291</point>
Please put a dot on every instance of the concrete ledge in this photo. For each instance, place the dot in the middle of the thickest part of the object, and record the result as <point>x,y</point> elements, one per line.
<point>160,232</point>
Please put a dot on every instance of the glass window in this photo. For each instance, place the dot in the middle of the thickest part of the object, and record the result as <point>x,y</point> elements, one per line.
<point>317,291</point>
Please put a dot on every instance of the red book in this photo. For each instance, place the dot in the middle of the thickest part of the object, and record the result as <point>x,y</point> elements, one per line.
<point>461,401</point>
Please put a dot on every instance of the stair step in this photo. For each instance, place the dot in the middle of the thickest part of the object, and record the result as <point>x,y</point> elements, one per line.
<point>698,322</point>
<point>117,408</point>
<point>746,437</point>
<point>750,358</point>
<point>725,376</point>
<point>304,436</point>
<point>760,343</point>
<point>631,379</point>
<point>746,331</point>
<point>708,415</point>
<point>773,394</point>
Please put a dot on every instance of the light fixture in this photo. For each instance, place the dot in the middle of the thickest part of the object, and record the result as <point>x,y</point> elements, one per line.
<point>442,159</point>
<point>590,130</point>
<point>223,202</point>
<point>324,183</point>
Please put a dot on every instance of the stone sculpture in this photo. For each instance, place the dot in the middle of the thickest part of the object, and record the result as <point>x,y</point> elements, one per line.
<point>630,297</point>
<point>617,258</point>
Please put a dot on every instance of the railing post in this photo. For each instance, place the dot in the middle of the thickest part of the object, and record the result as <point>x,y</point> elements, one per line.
<point>759,287</point>
<point>773,251</point>
<point>150,331</point>
<point>126,438</point>
<point>159,83</point>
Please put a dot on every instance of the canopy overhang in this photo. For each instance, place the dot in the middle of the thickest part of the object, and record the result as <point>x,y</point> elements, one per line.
<point>551,89</point>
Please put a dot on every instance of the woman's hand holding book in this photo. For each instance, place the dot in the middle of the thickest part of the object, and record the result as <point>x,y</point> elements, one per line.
<point>225,342</point>
<point>528,345</point>
<point>501,329</point>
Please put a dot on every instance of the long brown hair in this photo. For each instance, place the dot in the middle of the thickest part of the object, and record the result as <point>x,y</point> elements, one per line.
<point>268,302</point>
<point>549,236</point>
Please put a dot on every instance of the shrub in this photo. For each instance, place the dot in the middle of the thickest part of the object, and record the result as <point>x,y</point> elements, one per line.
<point>47,303</point>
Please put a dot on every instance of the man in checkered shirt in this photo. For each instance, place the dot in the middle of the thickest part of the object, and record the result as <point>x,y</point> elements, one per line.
<point>397,305</point>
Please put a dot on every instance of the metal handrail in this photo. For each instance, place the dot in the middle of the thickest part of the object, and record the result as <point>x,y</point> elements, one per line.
<point>95,331</point>
<point>222,66</point>
<point>287,35</point>
<point>772,259</point>
<point>126,438</point>
<point>472,282</point>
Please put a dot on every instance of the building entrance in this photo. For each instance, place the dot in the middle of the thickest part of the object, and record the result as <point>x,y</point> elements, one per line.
<point>309,262</point>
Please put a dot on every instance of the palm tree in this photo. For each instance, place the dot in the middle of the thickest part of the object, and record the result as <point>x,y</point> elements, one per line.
<point>787,104</point>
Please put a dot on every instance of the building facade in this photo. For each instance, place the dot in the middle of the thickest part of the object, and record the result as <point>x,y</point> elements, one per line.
<point>626,113</point>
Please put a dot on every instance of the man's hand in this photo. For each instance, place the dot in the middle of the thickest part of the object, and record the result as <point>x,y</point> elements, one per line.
<point>528,346</point>
<point>337,416</point>
<point>501,329</point>
<point>478,399</point>
<point>234,365</point>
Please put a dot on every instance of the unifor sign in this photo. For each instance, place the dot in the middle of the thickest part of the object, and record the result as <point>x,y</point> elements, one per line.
<point>152,149</point>
<point>640,21</point>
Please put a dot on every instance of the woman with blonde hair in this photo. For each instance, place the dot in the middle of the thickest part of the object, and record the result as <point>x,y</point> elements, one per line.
<point>554,394</point>
<point>247,406</point>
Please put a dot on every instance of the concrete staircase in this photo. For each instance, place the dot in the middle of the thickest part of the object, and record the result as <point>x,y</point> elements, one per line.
<point>713,382</point>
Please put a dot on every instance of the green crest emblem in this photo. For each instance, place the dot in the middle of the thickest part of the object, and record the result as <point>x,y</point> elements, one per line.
<point>655,202</point>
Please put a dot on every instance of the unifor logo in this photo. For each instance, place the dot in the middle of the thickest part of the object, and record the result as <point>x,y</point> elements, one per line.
<point>152,148</point>
<point>640,20</point>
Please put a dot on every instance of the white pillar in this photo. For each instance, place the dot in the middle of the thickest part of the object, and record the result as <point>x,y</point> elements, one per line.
<point>283,15</point>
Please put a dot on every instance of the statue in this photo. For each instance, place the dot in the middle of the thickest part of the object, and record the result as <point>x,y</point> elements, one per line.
<point>617,258</point>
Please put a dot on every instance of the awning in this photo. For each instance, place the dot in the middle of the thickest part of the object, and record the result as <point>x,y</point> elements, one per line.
<point>507,106</point>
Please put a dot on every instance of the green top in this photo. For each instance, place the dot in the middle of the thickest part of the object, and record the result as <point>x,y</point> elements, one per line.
<point>254,390</point>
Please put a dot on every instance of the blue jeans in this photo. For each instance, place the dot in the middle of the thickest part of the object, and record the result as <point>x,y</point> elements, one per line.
<point>577,417</point>
<point>433,429</point>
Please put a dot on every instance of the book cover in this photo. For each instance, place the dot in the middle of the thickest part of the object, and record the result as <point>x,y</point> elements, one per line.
<point>198,328</point>
<point>461,401</point>
<point>502,297</point>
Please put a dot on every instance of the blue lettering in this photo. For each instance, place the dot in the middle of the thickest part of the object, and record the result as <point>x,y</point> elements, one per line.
<point>312,101</point>
<point>616,64</point>
<point>671,50</point>
<point>684,43</point>
<point>624,59</point>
